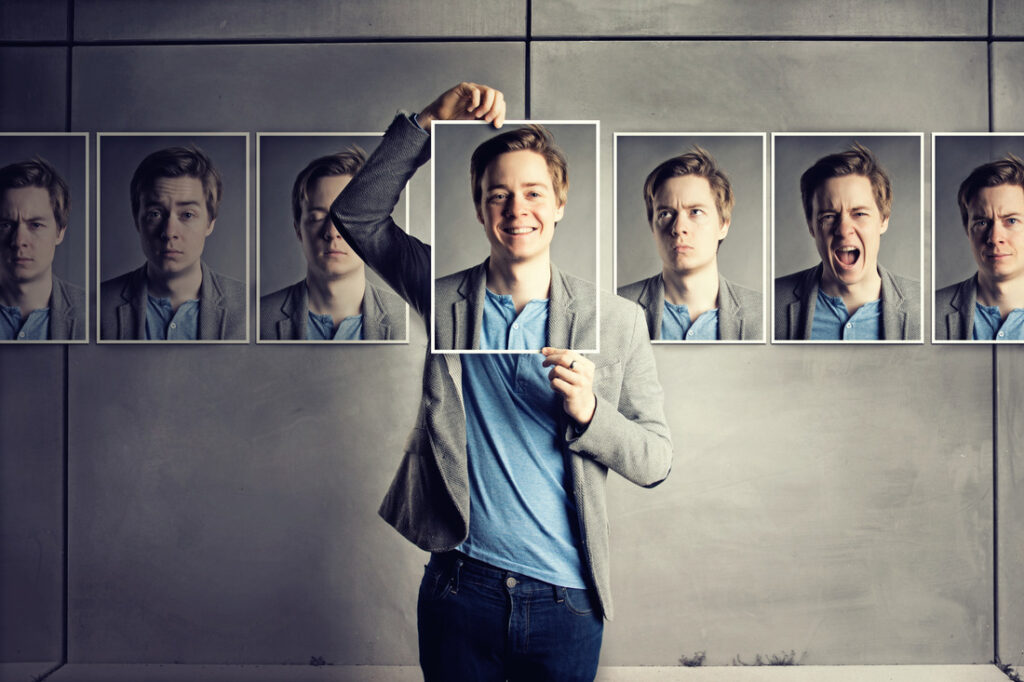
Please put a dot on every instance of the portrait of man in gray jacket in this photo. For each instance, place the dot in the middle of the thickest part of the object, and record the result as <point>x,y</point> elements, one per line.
<point>989,305</point>
<point>689,202</point>
<point>503,478</point>
<point>175,296</point>
<point>35,209</point>
<point>847,199</point>
<point>334,302</point>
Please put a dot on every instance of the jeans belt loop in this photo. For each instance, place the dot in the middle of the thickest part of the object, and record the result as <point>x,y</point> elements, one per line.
<point>559,593</point>
<point>456,571</point>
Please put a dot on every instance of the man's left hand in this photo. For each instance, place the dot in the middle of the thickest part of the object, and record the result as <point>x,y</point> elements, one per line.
<point>572,375</point>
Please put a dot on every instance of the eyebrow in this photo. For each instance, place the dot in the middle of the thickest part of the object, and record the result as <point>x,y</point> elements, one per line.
<point>525,184</point>
<point>191,202</point>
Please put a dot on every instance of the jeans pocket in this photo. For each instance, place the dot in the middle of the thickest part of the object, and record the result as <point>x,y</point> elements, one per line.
<point>579,602</point>
<point>436,585</point>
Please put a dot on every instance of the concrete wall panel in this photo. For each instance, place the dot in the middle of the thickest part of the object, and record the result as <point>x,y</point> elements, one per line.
<point>30,20</point>
<point>195,20</point>
<point>33,82</point>
<point>856,18</point>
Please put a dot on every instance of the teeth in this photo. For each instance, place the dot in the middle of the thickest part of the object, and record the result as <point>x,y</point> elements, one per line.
<point>519,230</point>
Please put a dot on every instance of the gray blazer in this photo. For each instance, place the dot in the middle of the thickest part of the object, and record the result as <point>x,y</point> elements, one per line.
<point>67,311</point>
<point>459,310</point>
<point>954,310</point>
<point>795,295</point>
<point>740,310</point>
<point>222,306</point>
<point>428,501</point>
<point>284,314</point>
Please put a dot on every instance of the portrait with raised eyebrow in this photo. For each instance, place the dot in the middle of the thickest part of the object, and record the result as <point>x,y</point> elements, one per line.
<point>844,204</point>
<point>43,238</point>
<point>978,237</point>
<point>515,235</point>
<point>180,205</point>
<point>690,234</point>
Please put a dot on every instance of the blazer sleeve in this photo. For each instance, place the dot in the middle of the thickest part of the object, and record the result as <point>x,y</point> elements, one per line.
<point>362,213</point>
<point>630,436</point>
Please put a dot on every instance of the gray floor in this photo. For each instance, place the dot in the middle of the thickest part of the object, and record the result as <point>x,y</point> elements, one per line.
<point>26,672</point>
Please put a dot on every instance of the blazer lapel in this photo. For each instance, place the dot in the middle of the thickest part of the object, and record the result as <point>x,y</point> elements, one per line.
<point>730,316</point>
<point>211,308</point>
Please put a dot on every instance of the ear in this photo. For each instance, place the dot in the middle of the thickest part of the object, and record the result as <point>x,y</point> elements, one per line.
<point>210,228</point>
<point>559,212</point>
<point>479,215</point>
<point>298,235</point>
<point>723,230</point>
<point>60,234</point>
<point>885,225</point>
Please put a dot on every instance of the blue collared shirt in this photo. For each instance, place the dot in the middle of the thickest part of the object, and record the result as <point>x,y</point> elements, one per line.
<point>35,327</point>
<point>163,323</point>
<point>321,326</point>
<point>990,326</point>
<point>832,322</point>
<point>522,518</point>
<point>676,324</point>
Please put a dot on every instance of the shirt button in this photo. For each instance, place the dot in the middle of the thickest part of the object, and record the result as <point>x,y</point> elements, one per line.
<point>1002,334</point>
<point>515,325</point>
<point>22,335</point>
<point>510,582</point>
<point>849,325</point>
<point>174,325</point>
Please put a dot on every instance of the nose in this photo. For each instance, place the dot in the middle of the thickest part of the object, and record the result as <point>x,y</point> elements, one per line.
<point>20,234</point>
<point>679,226</point>
<point>328,232</point>
<point>514,206</point>
<point>996,232</point>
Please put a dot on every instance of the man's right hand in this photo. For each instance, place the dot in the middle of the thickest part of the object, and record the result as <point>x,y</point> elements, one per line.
<point>465,102</point>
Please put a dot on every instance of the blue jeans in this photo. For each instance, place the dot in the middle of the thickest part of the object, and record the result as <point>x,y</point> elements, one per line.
<point>478,622</point>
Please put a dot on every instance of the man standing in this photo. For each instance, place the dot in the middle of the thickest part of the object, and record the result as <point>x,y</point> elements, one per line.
<point>503,478</point>
<point>990,304</point>
<point>334,301</point>
<point>689,207</point>
<point>849,296</point>
<point>175,195</point>
<point>35,304</point>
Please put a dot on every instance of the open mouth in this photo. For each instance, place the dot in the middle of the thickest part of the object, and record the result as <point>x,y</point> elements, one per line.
<point>847,255</point>
<point>516,231</point>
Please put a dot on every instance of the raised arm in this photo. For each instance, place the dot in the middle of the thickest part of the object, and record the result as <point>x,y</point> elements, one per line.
<point>362,212</point>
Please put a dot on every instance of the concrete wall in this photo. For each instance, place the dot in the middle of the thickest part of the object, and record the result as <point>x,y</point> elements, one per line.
<point>221,500</point>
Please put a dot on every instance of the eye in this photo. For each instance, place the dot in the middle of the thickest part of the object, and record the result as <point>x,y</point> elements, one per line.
<point>696,212</point>
<point>496,197</point>
<point>38,225</point>
<point>188,215</point>
<point>5,226</point>
<point>152,214</point>
<point>1014,222</point>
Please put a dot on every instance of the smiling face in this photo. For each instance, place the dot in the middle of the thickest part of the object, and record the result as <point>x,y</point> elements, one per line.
<point>328,255</point>
<point>518,207</point>
<point>847,226</point>
<point>29,234</point>
<point>686,225</point>
<point>173,223</point>
<point>995,226</point>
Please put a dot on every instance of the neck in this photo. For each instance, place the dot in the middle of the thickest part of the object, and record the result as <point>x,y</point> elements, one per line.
<point>178,287</point>
<point>339,297</point>
<point>523,280</point>
<point>697,290</point>
<point>28,296</point>
<point>1007,294</point>
<point>854,295</point>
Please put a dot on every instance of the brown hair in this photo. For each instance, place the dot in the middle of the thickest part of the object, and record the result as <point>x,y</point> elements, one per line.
<point>1008,170</point>
<point>697,162</point>
<point>39,173</point>
<point>857,160</point>
<point>347,162</point>
<point>534,138</point>
<point>177,162</point>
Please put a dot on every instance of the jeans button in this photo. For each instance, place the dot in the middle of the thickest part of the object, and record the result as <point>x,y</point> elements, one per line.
<point>510,582</point>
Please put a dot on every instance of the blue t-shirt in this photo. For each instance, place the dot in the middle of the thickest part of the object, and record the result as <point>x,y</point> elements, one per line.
<point>676,324</point>
<point>990,326</point>
<point>321,326</point>
<point>163,323</point>
<point>832,322</point>
<point>522,517</point>
<point>35,327</point>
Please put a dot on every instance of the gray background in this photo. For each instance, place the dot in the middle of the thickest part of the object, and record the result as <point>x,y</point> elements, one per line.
<point>119,156</point>
<point>282,158</point>
<point>459,236</point>
<point>900,156</point>
<point>826,500</point>
<point>67,155</point>
<point>955,158</point>
<point>742,159</point>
